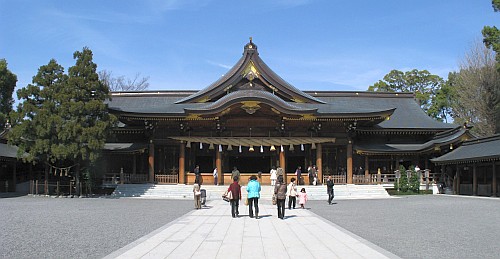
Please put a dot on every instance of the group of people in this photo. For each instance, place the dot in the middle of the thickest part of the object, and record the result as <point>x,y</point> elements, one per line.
<point>281,191</point>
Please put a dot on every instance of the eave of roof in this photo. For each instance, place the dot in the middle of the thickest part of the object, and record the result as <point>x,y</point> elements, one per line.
<point>474,150</point>
<point>453,136</point>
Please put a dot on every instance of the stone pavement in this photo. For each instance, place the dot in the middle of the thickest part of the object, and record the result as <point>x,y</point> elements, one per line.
<point>212,233</point>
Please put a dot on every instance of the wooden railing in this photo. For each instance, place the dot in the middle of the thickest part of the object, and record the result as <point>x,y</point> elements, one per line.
<point>166,178</point>
<point>110,179</point>
<point>376,178</point>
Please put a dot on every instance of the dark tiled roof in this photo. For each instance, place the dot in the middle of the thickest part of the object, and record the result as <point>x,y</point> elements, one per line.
<point>125,147</point>
<point>474,150</point>
<point>446,138</point>
<point>8,151</point>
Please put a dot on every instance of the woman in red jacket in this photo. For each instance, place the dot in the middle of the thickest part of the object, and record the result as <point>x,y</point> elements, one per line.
<point>235,190</point>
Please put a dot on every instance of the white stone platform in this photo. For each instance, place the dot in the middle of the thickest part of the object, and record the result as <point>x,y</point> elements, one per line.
<point>212,233</point>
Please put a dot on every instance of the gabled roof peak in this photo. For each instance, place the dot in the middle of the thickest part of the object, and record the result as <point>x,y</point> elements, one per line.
<point>250,47</point>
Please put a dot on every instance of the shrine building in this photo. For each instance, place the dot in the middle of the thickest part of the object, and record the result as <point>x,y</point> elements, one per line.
<point>254,120</point>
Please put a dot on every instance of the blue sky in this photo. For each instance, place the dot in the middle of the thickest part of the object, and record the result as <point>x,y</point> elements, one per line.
<point>341,45</point>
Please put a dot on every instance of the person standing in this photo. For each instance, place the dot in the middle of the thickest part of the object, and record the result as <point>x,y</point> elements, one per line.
<point>197,196</point>
<point>253,189</point>
<point>292,193</point>
<point>302,198</point>
<point>298,173</point>
<point>216,176</point>
<point>236,173</point>
<point>273,176</point>
<point>280,192</point>
<point>197,175</point>
<point>235,190</point>
<point>310,174</point>
<point>329,188</point>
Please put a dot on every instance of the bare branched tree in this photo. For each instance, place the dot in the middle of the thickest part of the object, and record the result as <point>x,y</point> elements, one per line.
<point>120,83</point>
<point>477,88</point>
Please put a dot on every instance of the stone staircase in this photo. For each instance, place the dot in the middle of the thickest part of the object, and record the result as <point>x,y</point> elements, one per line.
<point>181,191</point>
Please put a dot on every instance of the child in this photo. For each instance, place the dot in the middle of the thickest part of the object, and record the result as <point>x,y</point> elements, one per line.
<point>302,198</point>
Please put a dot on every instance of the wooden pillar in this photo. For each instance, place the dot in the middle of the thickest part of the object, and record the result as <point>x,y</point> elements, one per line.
<point>349,162</point>
<point>474,179</point>
<point>457,180</point>
<point>182,169</point>
<point>14,175</point>
<point>134,164</point>
<point>151,162</point>
<point>494,181</point>
<point>218,164</point>
<point>319,161</point>
<point>282,165</point>
<point>367,169</point>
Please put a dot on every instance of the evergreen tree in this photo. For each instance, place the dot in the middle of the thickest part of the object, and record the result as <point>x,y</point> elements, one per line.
<point>8,82</point>
<point>64,118</point>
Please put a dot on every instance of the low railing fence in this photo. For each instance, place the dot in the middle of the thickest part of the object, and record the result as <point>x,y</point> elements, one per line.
<point>380,178</point>
<point>59,188</point>
<point>166,178</point>
<point>122,178</point>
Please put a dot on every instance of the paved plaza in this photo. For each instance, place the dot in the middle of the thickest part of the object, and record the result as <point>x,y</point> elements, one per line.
<point>212,233</point>
<point>428,226</point>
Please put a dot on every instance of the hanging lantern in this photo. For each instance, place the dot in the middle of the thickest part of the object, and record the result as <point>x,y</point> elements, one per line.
<point>313,146</point>
<point>229,147</point>
<point>282,149</point>
<point>273,148</point>
<point>188,145</point>
<point>291,147</point>
<point>201,145</point>
<point>211,147</point>
<point>261,149</point>
<point>251,149</point>
<point>240,149</point>
<point>301,147</point>
<point>220,148</point>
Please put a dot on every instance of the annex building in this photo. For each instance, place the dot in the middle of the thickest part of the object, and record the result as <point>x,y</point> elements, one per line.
<point>253,119</point>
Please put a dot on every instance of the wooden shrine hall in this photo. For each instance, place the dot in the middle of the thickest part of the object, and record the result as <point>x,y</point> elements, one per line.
<point>254,120</point>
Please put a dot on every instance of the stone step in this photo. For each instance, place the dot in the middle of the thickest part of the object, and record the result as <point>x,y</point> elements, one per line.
<point>181,191</point>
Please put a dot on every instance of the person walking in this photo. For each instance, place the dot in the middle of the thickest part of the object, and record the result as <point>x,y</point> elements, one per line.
<point>216,176</point>
<point>329,188</point>
<point>236,173</point>
<point>292,193</point>
<point>235,190</point>
<point>197,196</point>
<point>253,189</point>
<point>273,176</point>
<point>302,198</point>
<point>280,192</point>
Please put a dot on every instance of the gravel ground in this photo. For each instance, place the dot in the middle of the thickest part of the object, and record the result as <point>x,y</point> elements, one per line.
<point>429,226</point>
<point>45,227</point>
<point>424,226</point>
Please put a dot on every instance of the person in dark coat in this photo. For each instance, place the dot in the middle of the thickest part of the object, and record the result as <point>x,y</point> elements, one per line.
<point>280,192</point>
<point>329,188</point>
<point>197,174</point>
<point>235,190</point>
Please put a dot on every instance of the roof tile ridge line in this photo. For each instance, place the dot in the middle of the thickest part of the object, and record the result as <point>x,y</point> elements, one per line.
<point>473,141</point>
<point>360,93</point>
<point>232,72</point>
<point>290,87</point>
<point>448,132</point>
<point>219,102</point>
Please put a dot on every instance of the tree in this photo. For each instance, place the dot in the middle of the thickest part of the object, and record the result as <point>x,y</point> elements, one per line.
<point>491,38</point>
<point>476,90</point>
<point>63,118</point>
<point>8,82</point>
<point>420,82</point>
<point>36,122</point>
<point>441,107</point>
<point>87,121</point>
<point>121,83</point>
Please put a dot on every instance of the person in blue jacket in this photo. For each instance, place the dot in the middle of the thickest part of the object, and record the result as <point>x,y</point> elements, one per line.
<point>253,189</point>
